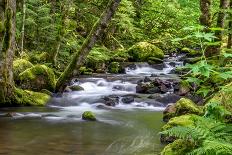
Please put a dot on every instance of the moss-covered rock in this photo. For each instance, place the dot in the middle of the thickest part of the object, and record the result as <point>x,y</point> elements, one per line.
<point>19,66</point>
<point>182,107</point>
<point>184,88</point>
<point>89,116</point>
<point>114,67</point>
<point>184,120</point>
<point>178,147</point>
<point>191,52</point>
<point>30,98</point>
<point>186,106</point>
<point>154,60</point>
<point>120,55</point>
<point>37,78</point>
<point>144,50</point>
<point>169,112</point>
<point>76,88</point>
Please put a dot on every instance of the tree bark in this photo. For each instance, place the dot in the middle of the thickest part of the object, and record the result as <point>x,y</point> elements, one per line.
<point>205,17</point>
<point>23,26</point>
<point>229,42</point>
<point>80,56</point>
<point>7,53</point>
<point>2,15</point>
<point>221,18</point>
<point>215,50</point>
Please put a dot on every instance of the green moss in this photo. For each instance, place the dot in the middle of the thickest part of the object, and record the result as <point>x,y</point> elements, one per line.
<point>120,55</point>
<point>85,71</point>
<point>186,106</point>
<point>1,27</point>
<point>224,97</point>
<point>114,67</point>
<point>143,50</point>
<point>38,57</point>
<point>30,98</point>
<point>178,147</point>
<point>97,58</point>
<point>154,60</point>
<point>184,120</point>
<point>19,66</point>
<point>37,78</point>
<point>191,52</point>
<point>88,115</point>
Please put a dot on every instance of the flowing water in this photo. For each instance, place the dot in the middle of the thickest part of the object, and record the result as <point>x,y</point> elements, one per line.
<point>126,129</point>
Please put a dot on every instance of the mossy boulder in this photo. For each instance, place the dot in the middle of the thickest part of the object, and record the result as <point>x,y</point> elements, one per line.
<point>115,67</point>
<point>120,55</point>
<point>184,88</point>
<point>181,107</point>
<point>76,88</point>
<point>142,51</point>
<point>184,120</point>
<point>178,147</point>
<point>89,116</point>
<point>30,98</point>
<point>37,78</point>
<point>191,52</point>
<point>19,66</point>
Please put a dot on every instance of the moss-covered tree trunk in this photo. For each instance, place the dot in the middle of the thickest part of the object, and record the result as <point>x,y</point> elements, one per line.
<point>80,56</point>
<point>205,17</point>
<point>7,52</point>
<point>2,12</point>
<point>229,42</point>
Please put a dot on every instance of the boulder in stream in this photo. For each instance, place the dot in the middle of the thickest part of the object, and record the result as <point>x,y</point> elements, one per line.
<point>111,100</point>
<point>89,116</point>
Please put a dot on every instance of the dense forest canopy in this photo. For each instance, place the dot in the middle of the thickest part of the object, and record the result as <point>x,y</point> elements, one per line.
<point>178,51</point>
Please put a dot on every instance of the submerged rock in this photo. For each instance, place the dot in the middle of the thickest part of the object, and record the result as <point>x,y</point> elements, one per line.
<point>128,99</point>
<point>111,100</point>
<point>89,116</point>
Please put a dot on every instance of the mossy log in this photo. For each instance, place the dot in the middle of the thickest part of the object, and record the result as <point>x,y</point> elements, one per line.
<point>81,55</point>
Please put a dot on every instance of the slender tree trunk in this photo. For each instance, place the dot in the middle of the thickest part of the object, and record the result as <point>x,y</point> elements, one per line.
<point>205,17</point>
<point>221,18</point>
<point>7,54</point>
<point>23,26</point>
<point>80,56</point>
<point>229,42</point>
<point>215,50</point>
<point>2,12</point>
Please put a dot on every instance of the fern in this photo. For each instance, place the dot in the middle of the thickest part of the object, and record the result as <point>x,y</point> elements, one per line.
<point>209,136</point>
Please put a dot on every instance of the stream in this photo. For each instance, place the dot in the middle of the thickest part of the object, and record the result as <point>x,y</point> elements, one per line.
<point>124,129</point>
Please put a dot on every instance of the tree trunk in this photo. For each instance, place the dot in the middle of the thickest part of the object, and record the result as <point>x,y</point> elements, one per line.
<point>2,12</point>
<point>7,53</point>
<point>80,56</point>
<point>229,42</point>
<point>213,51</point>
<point>221,18</point>
<point>205,18</point>
<point>23,27</point>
